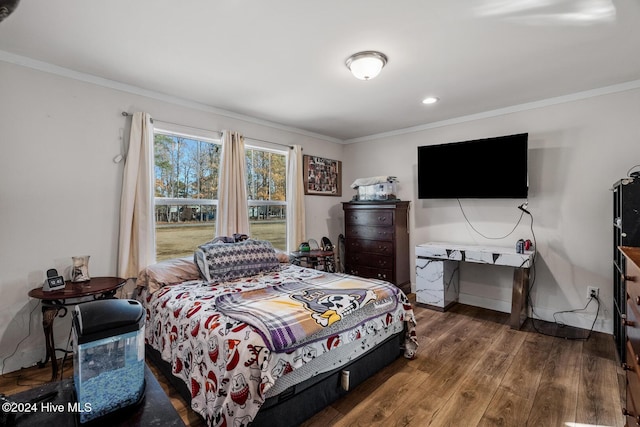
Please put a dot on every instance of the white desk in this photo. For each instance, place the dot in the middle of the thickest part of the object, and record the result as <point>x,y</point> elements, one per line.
<point>438,277</point>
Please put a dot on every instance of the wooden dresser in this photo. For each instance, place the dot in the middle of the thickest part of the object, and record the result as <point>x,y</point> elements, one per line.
<point>631,321</point>
<point>377,241</point>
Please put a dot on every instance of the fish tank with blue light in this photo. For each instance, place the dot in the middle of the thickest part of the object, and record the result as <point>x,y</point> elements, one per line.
<point>108,362</point>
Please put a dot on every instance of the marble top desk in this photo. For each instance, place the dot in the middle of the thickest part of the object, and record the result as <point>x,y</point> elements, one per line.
<point>437,274</point>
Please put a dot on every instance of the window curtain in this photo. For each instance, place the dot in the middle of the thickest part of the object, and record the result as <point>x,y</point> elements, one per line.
<point>295,200</point>
<point>233,212</point>
<point>137,243</point>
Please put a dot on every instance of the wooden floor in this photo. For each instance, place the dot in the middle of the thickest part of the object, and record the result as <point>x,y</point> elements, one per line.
<point>471,370</point>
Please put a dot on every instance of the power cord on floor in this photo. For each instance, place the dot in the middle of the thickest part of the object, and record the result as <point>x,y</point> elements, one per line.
<point>562,325</point>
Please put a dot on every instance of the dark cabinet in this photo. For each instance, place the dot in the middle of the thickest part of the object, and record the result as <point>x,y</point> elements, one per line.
<point>629,322</point>
<point>626,232</point>
<point>377,241</point>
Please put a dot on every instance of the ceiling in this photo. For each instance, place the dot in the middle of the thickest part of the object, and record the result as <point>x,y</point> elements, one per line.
<point>283,61</point>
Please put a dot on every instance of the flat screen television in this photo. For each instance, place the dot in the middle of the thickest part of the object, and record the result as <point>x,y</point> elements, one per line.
<point>490,168</point>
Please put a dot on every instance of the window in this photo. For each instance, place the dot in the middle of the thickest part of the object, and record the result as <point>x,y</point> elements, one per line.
<point>186,192</point>
<point>266,190</point>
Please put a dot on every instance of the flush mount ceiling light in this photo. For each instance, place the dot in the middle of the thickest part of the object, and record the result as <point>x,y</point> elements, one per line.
<point>430,100</point>
<point>366,65</point>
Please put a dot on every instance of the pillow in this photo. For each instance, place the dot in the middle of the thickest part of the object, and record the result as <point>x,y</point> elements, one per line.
<point>220,262</point>
<point>174,270</point>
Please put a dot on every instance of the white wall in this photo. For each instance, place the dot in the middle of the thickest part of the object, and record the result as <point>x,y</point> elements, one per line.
<point>60,189</point>
<point>577,150</point>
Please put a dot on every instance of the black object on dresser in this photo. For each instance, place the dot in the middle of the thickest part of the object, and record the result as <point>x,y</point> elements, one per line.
<point>626,232</point>
<point>377,241</point>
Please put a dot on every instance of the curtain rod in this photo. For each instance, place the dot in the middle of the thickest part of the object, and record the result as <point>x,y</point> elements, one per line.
<point>125,114</point>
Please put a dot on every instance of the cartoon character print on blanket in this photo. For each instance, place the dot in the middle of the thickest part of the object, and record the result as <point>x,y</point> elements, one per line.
<point>328,306</point>
<point>225,362</point>
<point>289,315</point>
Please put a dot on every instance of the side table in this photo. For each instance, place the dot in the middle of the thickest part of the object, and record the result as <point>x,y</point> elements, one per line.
<point>55,303</point>
<point>315,258</point>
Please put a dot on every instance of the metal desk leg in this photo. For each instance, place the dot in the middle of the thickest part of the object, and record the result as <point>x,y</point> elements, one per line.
<point>519,297</point>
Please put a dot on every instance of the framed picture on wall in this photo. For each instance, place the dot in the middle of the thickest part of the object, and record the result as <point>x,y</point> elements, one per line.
<point>322,177</point>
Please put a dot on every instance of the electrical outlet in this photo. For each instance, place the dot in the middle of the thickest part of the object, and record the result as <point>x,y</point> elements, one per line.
<point>593,291</point>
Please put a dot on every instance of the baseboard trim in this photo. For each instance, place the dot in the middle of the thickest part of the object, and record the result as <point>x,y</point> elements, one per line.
<point>577,320</point>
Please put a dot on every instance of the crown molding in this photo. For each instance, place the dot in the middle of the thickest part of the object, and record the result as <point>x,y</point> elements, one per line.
<point>112,84</point>
<point>606,90</point>
<point>46,67</point>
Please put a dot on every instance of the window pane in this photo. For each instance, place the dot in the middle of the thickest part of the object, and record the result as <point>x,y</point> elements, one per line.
<point>186,172</point>
<point>269,223</point>
<point>266,181</point>
<point>185,167</point>
<point>175,241</point>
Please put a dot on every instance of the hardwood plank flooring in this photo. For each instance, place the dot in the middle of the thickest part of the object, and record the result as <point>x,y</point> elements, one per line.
<point>471,370</point>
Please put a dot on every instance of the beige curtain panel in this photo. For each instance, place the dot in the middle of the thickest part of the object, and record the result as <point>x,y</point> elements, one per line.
<point>137,242</point>
<point>295,200</point>
<point>233,212</point>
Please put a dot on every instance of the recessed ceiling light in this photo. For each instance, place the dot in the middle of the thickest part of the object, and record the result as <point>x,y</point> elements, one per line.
<point>430,100</point>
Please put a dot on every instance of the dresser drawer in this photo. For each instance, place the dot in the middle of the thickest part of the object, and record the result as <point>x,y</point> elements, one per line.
<point>632,328</point>
<point>632,282</point>
<point>370,272</point>
<point>633,383</point>
<point>382,247</point>
<point>368,217</point>
<point>370,233</point>
<point>370,260</point>
<point>629,409</point>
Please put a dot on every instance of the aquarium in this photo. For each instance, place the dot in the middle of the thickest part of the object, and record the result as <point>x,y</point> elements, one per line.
<point>108,362</point>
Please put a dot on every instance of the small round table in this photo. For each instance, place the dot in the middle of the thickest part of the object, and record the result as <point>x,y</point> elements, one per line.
<point>315,258</point>
<point>55,302</point>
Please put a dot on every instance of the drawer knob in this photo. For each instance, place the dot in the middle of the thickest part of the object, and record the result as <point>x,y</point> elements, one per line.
<point>626,322</point>
<point>382,218</point>
<point>627,367</point>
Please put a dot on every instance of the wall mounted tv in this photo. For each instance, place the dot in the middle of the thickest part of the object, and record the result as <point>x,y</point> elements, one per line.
<point>491,168</point>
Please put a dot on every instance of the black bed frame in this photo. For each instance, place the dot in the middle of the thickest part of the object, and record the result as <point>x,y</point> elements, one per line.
<point>298,403</point>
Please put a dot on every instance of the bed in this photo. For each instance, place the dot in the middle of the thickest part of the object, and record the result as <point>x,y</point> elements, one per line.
<point>250,340</point>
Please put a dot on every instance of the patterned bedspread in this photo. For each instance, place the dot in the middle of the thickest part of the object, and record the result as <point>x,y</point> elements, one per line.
<point>224,361</point>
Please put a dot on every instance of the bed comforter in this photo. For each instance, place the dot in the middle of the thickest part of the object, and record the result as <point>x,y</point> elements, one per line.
<point>226,362</point>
